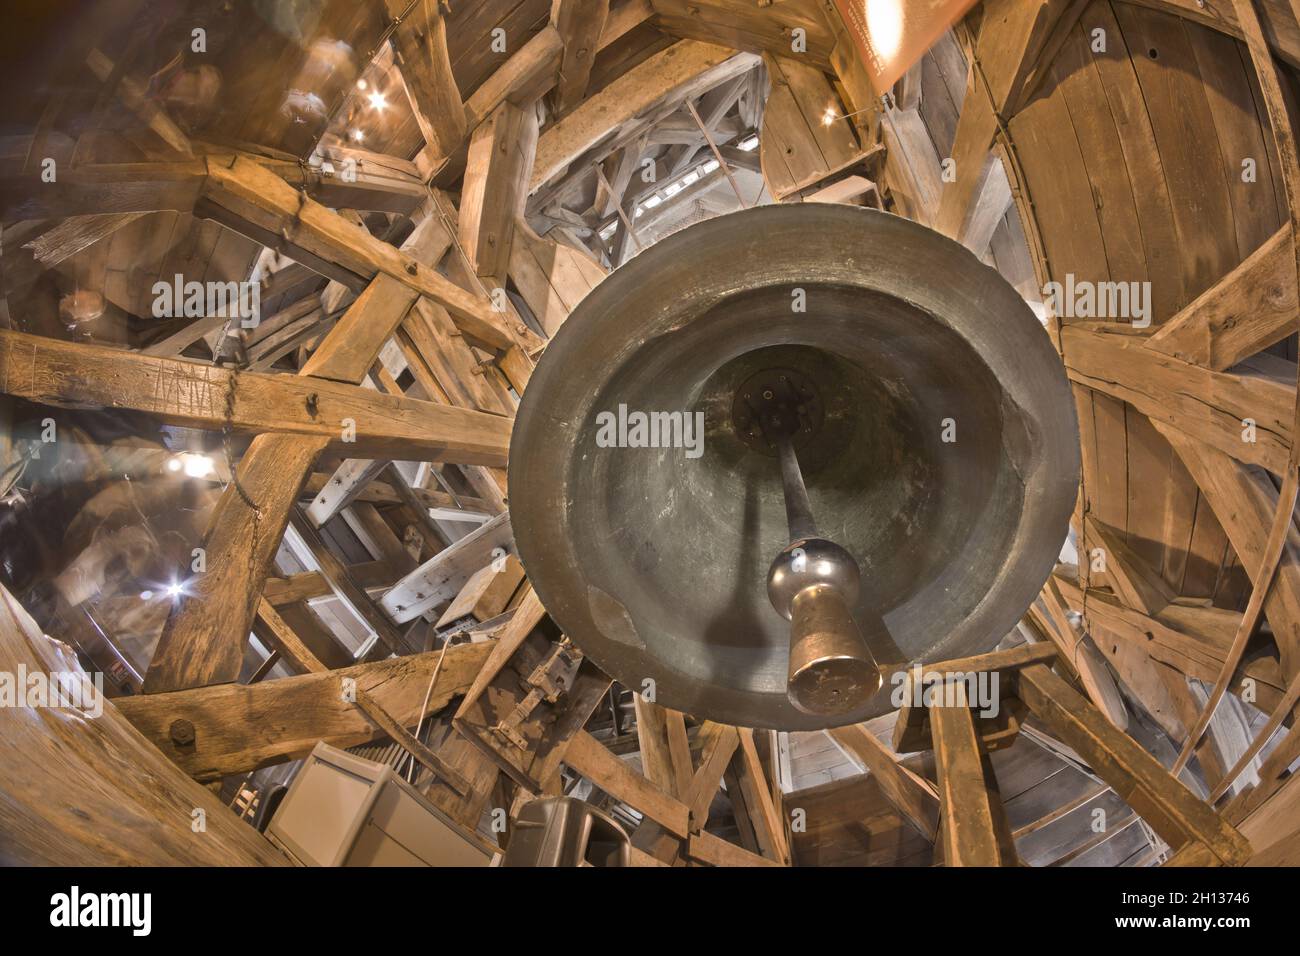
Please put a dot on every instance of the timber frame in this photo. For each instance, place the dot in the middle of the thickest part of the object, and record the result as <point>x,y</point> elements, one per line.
<point>360,431</point>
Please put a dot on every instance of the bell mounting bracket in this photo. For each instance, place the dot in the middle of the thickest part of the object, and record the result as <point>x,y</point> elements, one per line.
<point>774,402</point>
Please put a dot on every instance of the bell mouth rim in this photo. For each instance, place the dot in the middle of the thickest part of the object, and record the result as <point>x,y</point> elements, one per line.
<point>608,325</point>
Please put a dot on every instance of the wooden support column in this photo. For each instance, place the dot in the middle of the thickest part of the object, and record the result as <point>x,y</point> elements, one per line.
<point>500,160</point>
<point>970,809</point>
<point>579,24</point>
<point>420,44</point>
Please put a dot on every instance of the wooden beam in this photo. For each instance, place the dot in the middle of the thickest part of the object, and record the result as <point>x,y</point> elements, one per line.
<point>521,80</point>
<point>203,636</point>
<point>968,818</point>
<point>1137,778</point>
<point>100,189</point>
<point>1249,309</point>
<point>391,726</point>
<point>668,76</point>
<point>756,794</point>
<point>579,24</point>
<point>1083,658</point>
<point>136,96</point>
<point>273,631</point>
<point>914,797</point>
<point>590,758</point>
<point>552,277</point>
<point>715,851</point>
<point>76,233</point>
<point>1244,502</point>
<point>1280,27</point>
<point>652,740</point>
<point>238,728</point>
<point>1193,640</point>
<point>138,809</point>
<point>1137,583</point>
<point>496,179</point>
<point>1012,35</point>
<point>255,202</point>
<point>420,47</point>
<point>203,639</point>
<point>1207,405</point>
<point>179,392</point>
<point>441,577</point>
<point>717,744</point>
<point>345,586</point>
<point>364,328</point>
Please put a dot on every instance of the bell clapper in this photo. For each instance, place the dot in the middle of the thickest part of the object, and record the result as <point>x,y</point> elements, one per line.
<point>813,582</point>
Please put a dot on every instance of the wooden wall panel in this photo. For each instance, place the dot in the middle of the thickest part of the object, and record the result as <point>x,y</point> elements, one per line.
<point>1132,160</point>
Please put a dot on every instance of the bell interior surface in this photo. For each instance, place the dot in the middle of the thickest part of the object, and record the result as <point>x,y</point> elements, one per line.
<point>944,457</point>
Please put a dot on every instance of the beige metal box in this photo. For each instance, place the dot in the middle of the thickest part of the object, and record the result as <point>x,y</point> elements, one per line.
<point>342,810</point>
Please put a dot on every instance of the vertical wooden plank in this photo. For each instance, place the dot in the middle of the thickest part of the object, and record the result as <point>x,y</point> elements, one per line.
<point>967,827</point>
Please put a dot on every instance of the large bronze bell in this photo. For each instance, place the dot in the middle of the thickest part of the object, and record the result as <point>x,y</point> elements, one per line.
<point>887,465</point>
